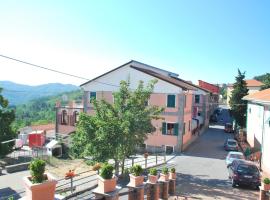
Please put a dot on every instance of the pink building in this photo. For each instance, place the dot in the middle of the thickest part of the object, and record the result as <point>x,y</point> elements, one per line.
<point>177,129</point>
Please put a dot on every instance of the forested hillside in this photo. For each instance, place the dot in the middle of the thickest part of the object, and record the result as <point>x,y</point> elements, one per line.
<point>42,110</point>
<point>265,78</point>
<point>18,94</point>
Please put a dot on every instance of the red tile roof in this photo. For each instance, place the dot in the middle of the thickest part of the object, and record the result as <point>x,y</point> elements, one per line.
<point>261,96</point>
<point>45,127</point>
<point>253,83</point>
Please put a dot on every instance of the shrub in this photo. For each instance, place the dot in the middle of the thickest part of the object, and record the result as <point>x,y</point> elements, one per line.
<point>165,170</point>
<point>266,181</point>
<point>173,170</point>
<point>37,169</point>
<point>106,171</point>
<point>153,171</point>
<point>136,170</point>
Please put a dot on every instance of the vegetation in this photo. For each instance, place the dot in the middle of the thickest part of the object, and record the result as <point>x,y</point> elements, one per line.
<point>265,78</point>
<point>266,181</point>
<point>165,170</point>
<point>153,171</point>
<point>106,171</point>
<point>116,129</point>
<point>136,170</point>
<point>7,116</point>
<point>37,169</point>
<point>239,106</point>
<point>173,170</point>
<point>42,110</point>
<point>223,91</point>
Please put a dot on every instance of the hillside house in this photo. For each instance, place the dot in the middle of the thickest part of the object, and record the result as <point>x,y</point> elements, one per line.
<point>174,132</point>
<point>258,125</point>
<point>252,85</point>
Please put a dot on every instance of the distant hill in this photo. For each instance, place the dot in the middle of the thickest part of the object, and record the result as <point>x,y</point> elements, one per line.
<point>19,94</point>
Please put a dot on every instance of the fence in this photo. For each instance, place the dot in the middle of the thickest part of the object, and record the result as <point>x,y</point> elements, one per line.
<point>87,180</point>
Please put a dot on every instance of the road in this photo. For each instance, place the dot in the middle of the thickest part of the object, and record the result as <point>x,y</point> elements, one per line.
<point>202,173</point>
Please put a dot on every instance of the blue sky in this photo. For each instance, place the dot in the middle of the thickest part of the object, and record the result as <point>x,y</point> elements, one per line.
<point>200,39</point>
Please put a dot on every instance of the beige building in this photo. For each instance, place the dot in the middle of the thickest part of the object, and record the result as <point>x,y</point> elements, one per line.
<point>252,85</point>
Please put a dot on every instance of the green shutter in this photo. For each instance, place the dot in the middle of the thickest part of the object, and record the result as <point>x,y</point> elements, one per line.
<point>176,127</point>
<point>184,128</point>
<point>164,128</point>
<point>93,95</point>
<point>171,101</point>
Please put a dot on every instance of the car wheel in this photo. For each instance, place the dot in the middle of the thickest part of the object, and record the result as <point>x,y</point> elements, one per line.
<point>233,183</point>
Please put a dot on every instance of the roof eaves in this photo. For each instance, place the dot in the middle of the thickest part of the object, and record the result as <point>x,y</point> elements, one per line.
<point>106,73</point>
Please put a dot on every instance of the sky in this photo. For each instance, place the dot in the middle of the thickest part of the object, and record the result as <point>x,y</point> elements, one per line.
<point>198,39</point>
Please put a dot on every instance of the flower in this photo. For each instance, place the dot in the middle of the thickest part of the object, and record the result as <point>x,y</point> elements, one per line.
<point>70,174</point>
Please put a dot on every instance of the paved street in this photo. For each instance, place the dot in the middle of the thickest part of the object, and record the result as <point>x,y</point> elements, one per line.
<point>203,173</point>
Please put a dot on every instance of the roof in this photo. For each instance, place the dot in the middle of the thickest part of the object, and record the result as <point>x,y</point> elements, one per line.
<point>172,80</point>
<point>193,85</point>
<point>254,83</point>
<point>260,97</point>
<point>132,61</point>
<point>51,144</point>
<point>250,83</point>
<point>208,86</point>
<point>45,127</point>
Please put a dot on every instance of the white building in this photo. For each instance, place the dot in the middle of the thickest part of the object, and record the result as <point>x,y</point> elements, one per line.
<point>258,124</point>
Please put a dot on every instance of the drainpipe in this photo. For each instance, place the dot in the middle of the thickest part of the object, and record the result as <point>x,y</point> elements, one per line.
<point>262,140</point>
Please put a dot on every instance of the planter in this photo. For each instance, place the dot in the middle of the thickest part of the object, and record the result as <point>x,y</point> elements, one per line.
<point>135,181</point>
<point>163,177</point>
<point>172,175</point>
<point>106,185</point>
<point>265,187</point>
<point>152,179</point>
<point>40,191</point>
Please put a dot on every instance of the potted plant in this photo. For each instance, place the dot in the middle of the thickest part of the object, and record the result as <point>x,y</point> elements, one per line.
<point>164,175</point>
<point>266,184</point>
<point>152,177</point>
<point>39,186</point>
<point>172,174</point>
<point>136,178</point>
<point>106,180</point>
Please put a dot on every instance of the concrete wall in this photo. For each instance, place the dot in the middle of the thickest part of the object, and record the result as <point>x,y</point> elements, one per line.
<point>266,142</point>
<point>254,124</point>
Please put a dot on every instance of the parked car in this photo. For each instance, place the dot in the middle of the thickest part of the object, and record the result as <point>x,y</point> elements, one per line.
<point>231,145</point>
<point>228,128</point>
<point>233,155</point>
<point>243,172</point>
<point>213,118</point>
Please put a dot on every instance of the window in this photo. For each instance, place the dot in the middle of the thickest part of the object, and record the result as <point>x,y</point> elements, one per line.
<point>93,95</point>
<point>189,125</point>
<point>249,110</point>
<point>185,101</point>
<point>171,101</point>
<point>169,128</point>
<point>64,118</point>
<point>184,129</point>
<point>197,98</point>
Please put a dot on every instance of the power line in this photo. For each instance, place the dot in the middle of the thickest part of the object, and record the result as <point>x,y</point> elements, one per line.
<point>53,70</point>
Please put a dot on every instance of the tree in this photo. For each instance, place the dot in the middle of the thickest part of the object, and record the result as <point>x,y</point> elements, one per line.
<point>239,106</point>
<point>265,78</point>
<point>116,129</point>
<point>7,116</point>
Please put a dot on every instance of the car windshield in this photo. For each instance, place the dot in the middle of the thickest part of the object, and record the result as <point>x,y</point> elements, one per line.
<point>247,169</point>
<point>236,156</point>
<point>231,143</point>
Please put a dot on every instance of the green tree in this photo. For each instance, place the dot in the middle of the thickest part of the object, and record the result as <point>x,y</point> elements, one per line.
<point>265,78</point>
<point>7,116</point>
<point>116,129</point>
<point>239,106</point>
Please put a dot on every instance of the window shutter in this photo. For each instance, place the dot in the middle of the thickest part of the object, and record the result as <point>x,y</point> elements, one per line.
<point>171,101</point>
<point>164,128</point>
<point>176,127</point>
<point>184,128</point>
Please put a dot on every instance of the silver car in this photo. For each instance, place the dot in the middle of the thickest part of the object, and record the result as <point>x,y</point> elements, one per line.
<point>233,155</point>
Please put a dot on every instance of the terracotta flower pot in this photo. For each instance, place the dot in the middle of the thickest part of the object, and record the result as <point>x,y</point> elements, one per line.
<point>172,175</point>
<point>163,177</point>
<point>135,181</point>
<point>152,179</point>
<point>266,187</point>
<point>106,185</point>
<point>40,191</point>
